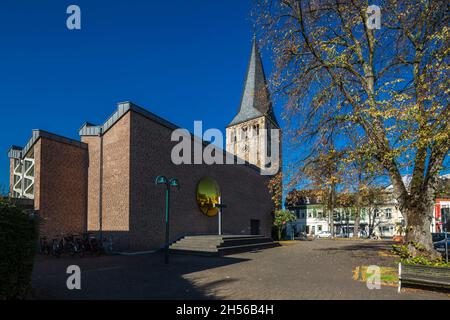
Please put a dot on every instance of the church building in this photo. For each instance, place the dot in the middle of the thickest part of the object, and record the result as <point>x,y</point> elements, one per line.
<point>244,137</point>
<point>105,182</point>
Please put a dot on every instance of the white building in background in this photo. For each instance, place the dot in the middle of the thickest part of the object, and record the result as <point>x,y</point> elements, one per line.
<point>312,219</point>
<point>384,219</point>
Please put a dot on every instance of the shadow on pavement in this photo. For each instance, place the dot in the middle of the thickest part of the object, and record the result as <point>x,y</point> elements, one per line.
<point>128,277</point>
<point>364,246</point>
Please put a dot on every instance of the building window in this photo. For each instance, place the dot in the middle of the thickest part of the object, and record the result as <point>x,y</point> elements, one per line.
<point>319,228</point>
<point>256,129</point>
<point>376,213</point>
<point>233,136</point>
<point>245,133</point>
<point>389,213</point>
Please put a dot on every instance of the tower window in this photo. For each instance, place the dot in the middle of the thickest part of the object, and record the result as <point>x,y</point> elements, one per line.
<point>256,129</point>
<point>233,136</point>
<point>245,132</point>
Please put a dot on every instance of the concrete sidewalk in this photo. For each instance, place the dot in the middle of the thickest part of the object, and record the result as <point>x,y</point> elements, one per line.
<point>319,269</point>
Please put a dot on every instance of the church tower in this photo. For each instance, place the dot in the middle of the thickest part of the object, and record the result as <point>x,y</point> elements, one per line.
<point>244,134</point>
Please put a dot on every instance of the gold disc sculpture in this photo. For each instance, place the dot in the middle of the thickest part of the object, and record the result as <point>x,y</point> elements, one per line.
<point>208,194</point>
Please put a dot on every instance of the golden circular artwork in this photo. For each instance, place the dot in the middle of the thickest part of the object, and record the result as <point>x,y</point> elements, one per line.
<point>208,194</point>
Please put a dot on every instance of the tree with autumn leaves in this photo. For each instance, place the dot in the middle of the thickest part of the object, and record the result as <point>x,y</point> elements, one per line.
<point>275,186</point>
<point>280,217</point>
<point>390,86</point>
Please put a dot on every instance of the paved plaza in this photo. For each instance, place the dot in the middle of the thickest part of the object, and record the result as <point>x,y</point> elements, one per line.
<point>319,269</point>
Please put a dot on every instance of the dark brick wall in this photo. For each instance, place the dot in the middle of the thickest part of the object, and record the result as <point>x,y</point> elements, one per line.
<point>93,182</point>
<point>135,151</point>
<point>244,190</point>
<point>116,177</point>
<point>60,187</point>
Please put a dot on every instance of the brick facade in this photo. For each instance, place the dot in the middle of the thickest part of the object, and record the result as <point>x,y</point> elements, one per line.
<point>60,187</point>
<point>106,183</point>
<point>136,149</point>
<point>93,222</point>
<point>243,189</point>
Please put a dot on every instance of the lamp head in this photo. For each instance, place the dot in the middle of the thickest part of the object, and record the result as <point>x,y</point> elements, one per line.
<point>161,180</point>
<point>174,183</point>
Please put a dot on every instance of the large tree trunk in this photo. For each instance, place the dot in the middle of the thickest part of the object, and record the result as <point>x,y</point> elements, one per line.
<point>419,215</point>
<point>416,206</point>
<point>357,215</point>
<point>357,221</point>
<point>331,209</point>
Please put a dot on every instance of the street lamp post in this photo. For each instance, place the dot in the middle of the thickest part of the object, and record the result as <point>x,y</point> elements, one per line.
<point>167,183</point>
<point>220,206</point>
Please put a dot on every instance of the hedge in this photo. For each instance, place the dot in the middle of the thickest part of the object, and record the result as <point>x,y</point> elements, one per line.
<point>18,240</point>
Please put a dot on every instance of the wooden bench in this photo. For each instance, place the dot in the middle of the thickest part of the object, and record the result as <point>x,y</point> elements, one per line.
<point>436,277</point>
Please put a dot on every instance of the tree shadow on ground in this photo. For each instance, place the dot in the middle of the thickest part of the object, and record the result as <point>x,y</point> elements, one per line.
<point>372,246</point>
<point>143,277</point>
<point>365,252</point>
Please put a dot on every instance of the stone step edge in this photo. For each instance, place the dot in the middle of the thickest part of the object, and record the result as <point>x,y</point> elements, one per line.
<point>247,245</point>
<point>203,249</point>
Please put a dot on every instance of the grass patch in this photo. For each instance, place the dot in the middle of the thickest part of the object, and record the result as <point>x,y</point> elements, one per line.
<point>386,253</point>
<point>287,242</point>
<point>388,277</point>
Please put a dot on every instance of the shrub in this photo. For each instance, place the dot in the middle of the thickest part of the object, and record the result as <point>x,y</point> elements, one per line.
<point>281,218</point>
<point>405,256</point>
<point>18,239</point>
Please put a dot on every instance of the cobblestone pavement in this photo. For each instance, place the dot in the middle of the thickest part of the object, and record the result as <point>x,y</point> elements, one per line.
<point>319,269</point>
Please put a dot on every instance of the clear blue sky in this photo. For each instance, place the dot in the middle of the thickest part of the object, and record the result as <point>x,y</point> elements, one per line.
<point>183,60</point>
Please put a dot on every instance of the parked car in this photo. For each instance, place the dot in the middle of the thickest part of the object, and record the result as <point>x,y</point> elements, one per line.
<point>375,236</point>
<point>439,246</point>
<point>438,236</point>
<point>302,236</point>
<point>323,235</point>
<point>344,235</point>
<point>362,234</point>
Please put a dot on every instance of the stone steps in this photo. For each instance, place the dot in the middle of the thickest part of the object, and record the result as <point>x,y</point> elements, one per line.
<point>214,245</point>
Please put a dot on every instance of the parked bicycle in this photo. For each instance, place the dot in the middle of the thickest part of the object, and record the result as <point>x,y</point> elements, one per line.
<point>45,247</point>
<point>56,247</point>
<point>63,244</point>
<point>91,244</point>
<point>72,245</point>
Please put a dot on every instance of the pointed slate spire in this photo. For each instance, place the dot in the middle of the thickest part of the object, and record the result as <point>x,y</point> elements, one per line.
<point>255,101</point>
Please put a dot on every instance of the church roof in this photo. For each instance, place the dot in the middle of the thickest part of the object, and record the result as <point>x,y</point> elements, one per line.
<point>255,100</point>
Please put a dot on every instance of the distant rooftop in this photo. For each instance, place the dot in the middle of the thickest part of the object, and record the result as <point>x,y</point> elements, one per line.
<point>19,152</point>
